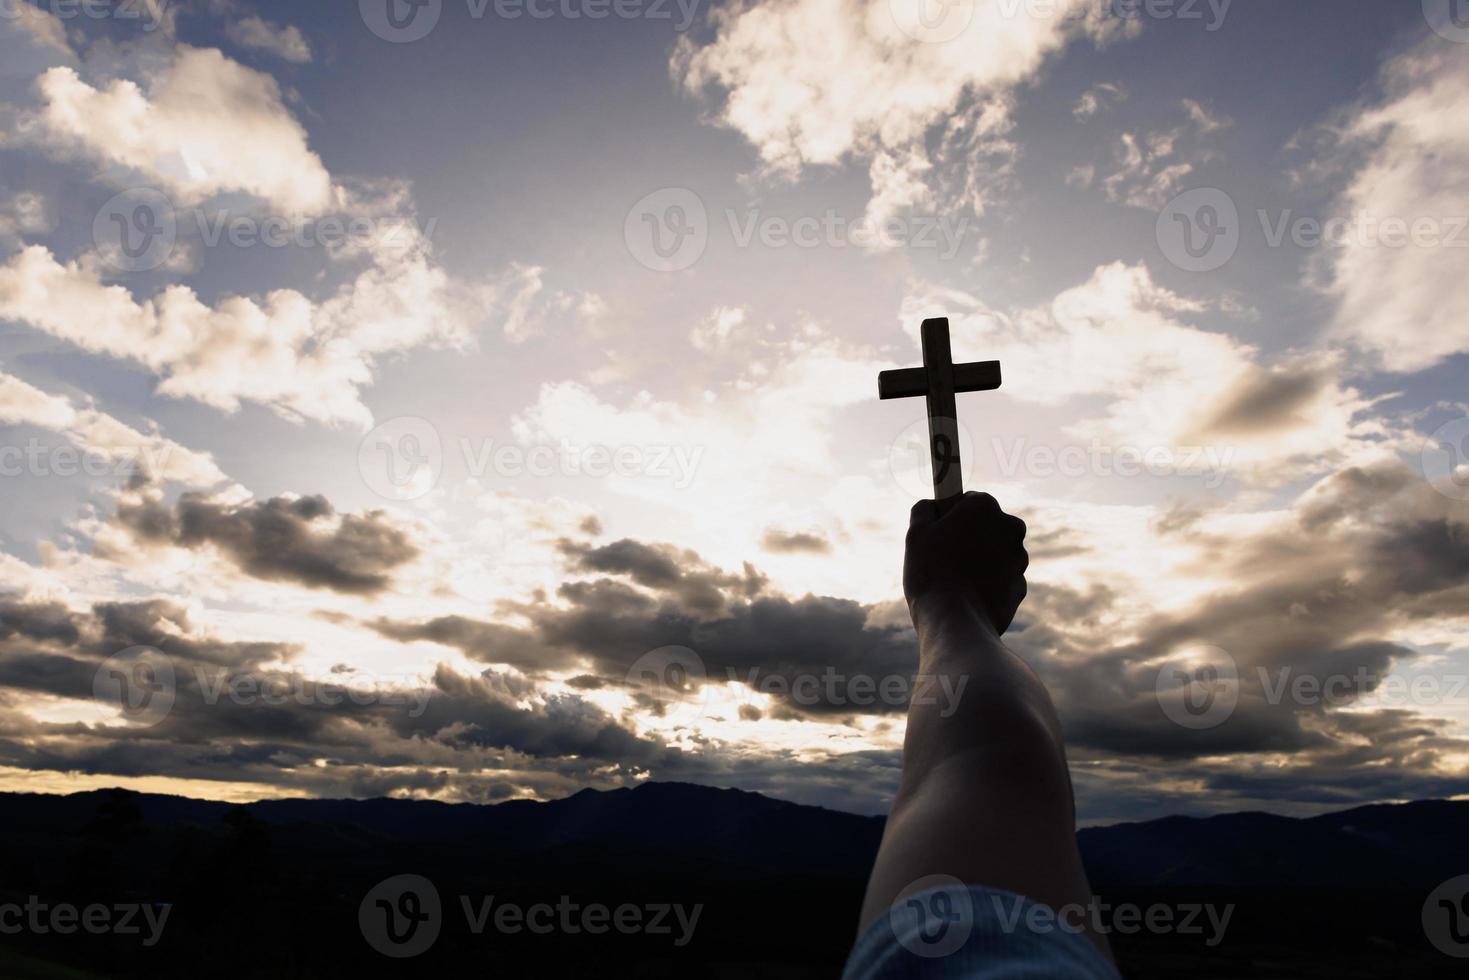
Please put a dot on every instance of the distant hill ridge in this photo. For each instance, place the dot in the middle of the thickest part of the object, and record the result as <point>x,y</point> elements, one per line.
<point>1403,844</point>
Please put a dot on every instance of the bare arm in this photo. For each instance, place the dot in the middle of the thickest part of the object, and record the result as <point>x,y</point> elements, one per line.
<point>985,794</point>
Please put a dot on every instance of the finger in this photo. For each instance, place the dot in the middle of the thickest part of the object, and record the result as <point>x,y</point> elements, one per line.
<point>1017,526</point>
<point>923,512</point>
<point>981,502</point>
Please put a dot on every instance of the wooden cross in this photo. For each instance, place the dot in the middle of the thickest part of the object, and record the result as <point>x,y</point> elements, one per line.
<point>939,380</point>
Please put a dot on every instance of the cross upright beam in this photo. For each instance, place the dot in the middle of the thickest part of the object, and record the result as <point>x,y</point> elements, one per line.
<point>938,381</point>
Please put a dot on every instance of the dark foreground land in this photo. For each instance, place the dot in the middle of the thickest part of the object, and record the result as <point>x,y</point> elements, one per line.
<point>273,889</point>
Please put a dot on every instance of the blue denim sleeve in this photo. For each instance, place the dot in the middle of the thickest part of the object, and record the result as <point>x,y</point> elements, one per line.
<point>968,933</point>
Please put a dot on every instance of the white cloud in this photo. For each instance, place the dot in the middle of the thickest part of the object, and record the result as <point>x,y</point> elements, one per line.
<point>286,42</point>
<point>205,126</point>
<point>1399,299</point>
<point>96,432</point>
<point>755,450</point>
<point>202,126</point>
<point>1149,168</point>
<point>715,330</point>
<point>897,186</point>
<point>304,359</point>
<point>1102,95</point>
<point>42,27</point>
<point>813,82</point>
<point>517,291</point>
<point>518,298</point>
<point>23,214</point>
<point>1120,338</point>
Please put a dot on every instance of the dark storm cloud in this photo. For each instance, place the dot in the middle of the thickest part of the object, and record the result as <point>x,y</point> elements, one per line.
<point>49,621</point>
<point>1319,598</point>
<point>1265,401</point>
<point>107,628</point>
<point>667,569</point>
<point>654,596</point>
<point>234,719</point>
<point>1057,542</point>
<point>1317,604</point>
<point>782,542</point>
<point>297,540</point>
<point>488,642</point>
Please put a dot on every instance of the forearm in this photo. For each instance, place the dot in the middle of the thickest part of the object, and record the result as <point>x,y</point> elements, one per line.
<point>985,795</point>
<point>1000,706</point>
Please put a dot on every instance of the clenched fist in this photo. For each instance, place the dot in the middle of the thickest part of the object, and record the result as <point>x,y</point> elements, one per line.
<point>974,554</point>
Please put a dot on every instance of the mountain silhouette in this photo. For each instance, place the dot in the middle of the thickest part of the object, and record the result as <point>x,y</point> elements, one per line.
<point>273,888</point>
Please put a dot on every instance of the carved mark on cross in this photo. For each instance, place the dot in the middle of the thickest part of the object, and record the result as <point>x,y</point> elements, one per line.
<point>939,380</point>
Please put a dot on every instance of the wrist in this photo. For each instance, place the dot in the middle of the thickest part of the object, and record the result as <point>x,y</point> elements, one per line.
<point>947,610</point>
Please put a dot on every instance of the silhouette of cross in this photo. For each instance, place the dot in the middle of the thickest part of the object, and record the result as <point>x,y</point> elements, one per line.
<point>938,380</point>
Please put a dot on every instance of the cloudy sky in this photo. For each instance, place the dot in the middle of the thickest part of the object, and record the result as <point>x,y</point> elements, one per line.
<point>477,400</point>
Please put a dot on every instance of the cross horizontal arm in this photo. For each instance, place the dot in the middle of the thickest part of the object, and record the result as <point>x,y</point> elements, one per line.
<point>913,382</point>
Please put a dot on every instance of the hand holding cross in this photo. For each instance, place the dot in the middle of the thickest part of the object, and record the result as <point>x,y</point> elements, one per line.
<point>938,380</point>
